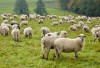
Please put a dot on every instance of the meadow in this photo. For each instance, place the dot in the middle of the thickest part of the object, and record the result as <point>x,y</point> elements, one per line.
<point>27,52</point>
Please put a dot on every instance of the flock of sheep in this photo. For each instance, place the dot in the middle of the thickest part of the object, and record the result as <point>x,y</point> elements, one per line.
<point>52,40</point>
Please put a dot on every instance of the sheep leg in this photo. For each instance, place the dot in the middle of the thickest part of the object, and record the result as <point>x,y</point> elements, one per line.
<point>95,39</point>
<point>48,50</point>
<point>43,51</point>
<point>59,56</point>
<point>55,53</point>
<point>76,54</point>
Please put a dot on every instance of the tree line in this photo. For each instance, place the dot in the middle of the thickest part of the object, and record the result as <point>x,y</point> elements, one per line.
<point>84,7</point>
<point>21,7</point>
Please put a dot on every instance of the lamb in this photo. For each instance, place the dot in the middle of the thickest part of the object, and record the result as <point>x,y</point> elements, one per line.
<point>72,28</point>
<point>48,42</point>
<point>15,33</point>
<point>28,32</point>
<point>97,35</point>
<point>69,45</point>
<point>41,21</point>
<point>44,31</point>
<point>4,30</point>
<point>86,28</point>
<point>55,23</point>
<point>24,23</point>
<point>63,34</point>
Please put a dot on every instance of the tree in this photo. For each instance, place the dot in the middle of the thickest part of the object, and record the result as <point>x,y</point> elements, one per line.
<point>21,7</point>
<point>40,9</point>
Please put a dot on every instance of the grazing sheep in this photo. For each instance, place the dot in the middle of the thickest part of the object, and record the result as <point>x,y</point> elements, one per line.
<point>28,32</point>
<point>14,22</point>
<point>72,21</point>
<point>16,34</point>
<point>94,30</point>
<point>32,17</point>
<point>4,30</point>
<point>48,42</point>
<point>97,35</point>
<point>55,23</point>
<point>41,21</point>
<point>69,45</point>
<point>23,18</point>
<point>81,23</point>
<point>15,26</point>
<point>5,21</point>
<point>44,31</point>
<point>96,25</point>
<point>86,28</point>
<point>60,21</point>
<point>72,28</point>
<point>88,22</point>
<point>11,18</point>
<point>4,17</point>
<point>24,23</point>
<point>15,16</point>
<point>63,34</point>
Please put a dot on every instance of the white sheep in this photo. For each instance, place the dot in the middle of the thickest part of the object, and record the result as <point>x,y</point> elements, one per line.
<point>24,23</point>
<point>55,23</point>
<point>94,30</point>
<point>63,34</point>
<point>28,32</point>
<point>97,35</point>
<point>86,28</point>
<point>69,45</point>
<point>44,31</point>
<point>11,18</point>
<point>41,21</point>
<point>60,21</point>
<point>16,34</point>
<point>14,22</point>
<point>15,16</point>
<point>48,42</point>
<point>4,30</point>
<point>72,28</point>
<point>15,26</point>
<point>5,21</point>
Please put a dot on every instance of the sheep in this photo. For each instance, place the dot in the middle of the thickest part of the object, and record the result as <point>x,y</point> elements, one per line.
<point>72,21</point>
<point>23,18</point>
<point>15,16</point>
<point>14,22</point>
<point>28,32</point>
<point>88,22</point>
<point>16,34</point>
<point>81,23</point>
<point>15,26</point>
<point>97,35</point>
<point>4,30</point>
<point>40,21</point>
<point>94,30</point>
<point>24,23</point>
<point>48,42</point>
<point>63,34</point>
<point>60,22</point>
<point>55,23</point>
<point>4,17</point>
<point>5,21</point>
<point>86,28</point>
<point>72,28</point>
<point>69,45</point>
<point>44,31</point>
<point>96,25</point>
<point>32,17</point>
<point>11,18</point>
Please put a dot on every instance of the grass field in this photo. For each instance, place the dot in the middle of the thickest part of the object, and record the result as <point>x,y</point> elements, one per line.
<point>27,52</point>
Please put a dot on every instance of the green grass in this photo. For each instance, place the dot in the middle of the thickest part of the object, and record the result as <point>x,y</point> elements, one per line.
<point>27,52</point>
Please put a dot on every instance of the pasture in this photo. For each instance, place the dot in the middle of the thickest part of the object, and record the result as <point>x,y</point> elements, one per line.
<point>27,53</point>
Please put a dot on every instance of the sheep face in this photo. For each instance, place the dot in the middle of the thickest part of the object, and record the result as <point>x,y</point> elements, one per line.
<point>82,36</point>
